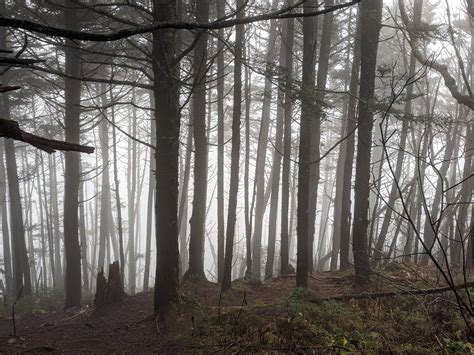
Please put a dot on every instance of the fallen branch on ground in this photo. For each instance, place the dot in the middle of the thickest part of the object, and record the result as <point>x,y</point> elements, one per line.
<point>394,293</point>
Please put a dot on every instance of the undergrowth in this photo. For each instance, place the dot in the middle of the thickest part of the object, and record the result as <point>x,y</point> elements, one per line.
<point>302,323</point>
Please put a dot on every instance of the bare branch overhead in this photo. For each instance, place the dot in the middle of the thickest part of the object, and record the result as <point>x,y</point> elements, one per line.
<point>140,29</point>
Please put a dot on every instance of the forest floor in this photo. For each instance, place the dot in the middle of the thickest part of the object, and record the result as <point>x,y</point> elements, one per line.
<point>253,317</point>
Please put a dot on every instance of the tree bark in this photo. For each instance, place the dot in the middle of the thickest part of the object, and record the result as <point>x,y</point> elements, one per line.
<point>370,14</point>
<point>259,189</point>
<point>220,4</point>
<point>167,116</point>
<point>235,154</point>
<point>305,145</point>
<point>289,28</point>
<point>198,217</point>
<point>323,66</point>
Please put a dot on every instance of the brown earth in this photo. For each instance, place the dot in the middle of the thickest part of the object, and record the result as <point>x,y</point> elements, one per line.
<point>128,327</point>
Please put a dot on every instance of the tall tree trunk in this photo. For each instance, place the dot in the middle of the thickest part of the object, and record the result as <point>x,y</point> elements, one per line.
<point>466,198</point>
<point>235,154</point>
<point>105,203</point>
<point>20,270</point>
<point>56,231</point>
<point>289,28</point>
<point>220,4</point>
<point>336,238</point>
<point>151,192</point>
<point>49,226</point>
<point>401,152</point>
<point>83,238</point>
<point>72,279</point>
<point>27,193</point>
<point>323,66</point>
<point>7,262</point>
<point>260,205</point>
<point>167,116</point>
<point>117,193</point>
<point>183,203</point>
<point>275,172</point>
<point>370,15</point>
<point>325,209</point>
<point>348,146</point>
<point>307,112</point>
<point>248,208</point>
<point>132,193</point>
<point>198,217</point>
<point>42,222</point>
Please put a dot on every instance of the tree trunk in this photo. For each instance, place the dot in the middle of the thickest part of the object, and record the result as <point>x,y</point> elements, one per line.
<point>401,152</point>
<point>151,192</point>
<point>370,14</point>
<point>220,4</point>
<point>260,205</point>
<point>323,66</point>
<point>348,146</point>
<point>21,270</point>
<point>198,217</point>
<point>105,203</point>
<point>307,113</point>
<point>132,189</point>
<point>56,232</point>
<point>276,167</point>
<point>336,238</point>
<point>7,262</point>
<point>288,28</point>
<point>83,238</point>
<point>72,279</point>
<point>235,154</point>
<point>167,116</point>
<point>248,209</point>
<point>117,194</point>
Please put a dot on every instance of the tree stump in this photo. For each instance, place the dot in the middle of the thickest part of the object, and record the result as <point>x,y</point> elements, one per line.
<point>109,291</point>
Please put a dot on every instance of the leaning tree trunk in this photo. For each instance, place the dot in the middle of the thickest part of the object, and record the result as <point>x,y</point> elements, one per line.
<point>400,155</point>
<point>370,15</point>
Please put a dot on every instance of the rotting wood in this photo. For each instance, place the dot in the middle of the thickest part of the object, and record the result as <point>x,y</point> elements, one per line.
<point>109,291</point>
